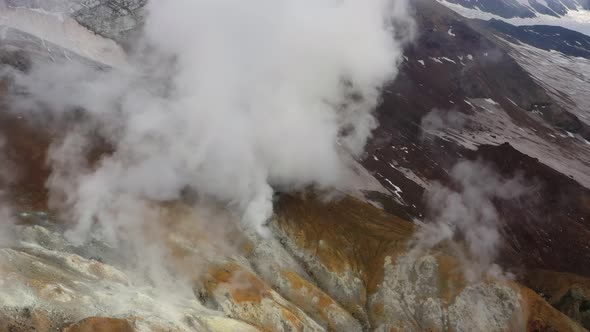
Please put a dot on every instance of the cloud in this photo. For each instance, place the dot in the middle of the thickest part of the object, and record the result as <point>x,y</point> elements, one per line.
<point>226,98</point>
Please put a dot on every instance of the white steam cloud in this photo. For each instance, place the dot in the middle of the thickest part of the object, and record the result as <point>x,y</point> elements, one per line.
<point>464,216</point>
<point>230,99</point>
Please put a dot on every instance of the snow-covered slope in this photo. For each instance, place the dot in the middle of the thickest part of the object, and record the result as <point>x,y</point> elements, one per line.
<point>524,8</point>
<point>571,14</point>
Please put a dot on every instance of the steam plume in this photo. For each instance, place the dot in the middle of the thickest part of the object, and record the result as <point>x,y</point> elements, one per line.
<point>230,99</point>
<point>467,212</point>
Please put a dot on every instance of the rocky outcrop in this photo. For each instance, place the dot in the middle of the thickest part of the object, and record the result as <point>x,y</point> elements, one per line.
<point>401,288</point>
<point>99,324</point>
<point>567,292</point>
<point>114,19</point>
<point>313,279</point>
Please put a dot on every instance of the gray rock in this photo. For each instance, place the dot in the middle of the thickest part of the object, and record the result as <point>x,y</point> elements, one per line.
<point>115,19</point>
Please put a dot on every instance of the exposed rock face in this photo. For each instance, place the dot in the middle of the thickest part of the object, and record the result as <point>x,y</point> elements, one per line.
<point>55,36</point>
<point>567,292</point>
<point>114,19</point>
<point>46,283</point>
<point>43,274</point>
<point>97,324</point>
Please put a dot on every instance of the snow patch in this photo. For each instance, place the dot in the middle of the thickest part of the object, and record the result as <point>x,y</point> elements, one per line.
<point>396,190</point>
<point>511,101</point>
<point>447,59</point>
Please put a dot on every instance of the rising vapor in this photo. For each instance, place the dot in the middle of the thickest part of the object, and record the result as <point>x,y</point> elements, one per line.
<point>228,99</point>
<point>465,210</point>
